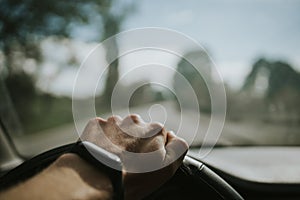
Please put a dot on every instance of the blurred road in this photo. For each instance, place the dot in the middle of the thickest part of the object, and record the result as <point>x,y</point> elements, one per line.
<point>233,133</point>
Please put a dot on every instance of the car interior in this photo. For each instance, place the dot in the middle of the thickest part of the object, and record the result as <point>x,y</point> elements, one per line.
<point>224,76</point>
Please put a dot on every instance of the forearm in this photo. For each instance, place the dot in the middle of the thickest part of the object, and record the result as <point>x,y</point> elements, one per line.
<point>69,177</point>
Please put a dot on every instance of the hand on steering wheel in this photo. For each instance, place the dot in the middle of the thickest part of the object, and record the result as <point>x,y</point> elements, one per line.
<point>132,134</point>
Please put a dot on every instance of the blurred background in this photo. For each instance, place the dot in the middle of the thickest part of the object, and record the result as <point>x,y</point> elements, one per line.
<point>255,46</point>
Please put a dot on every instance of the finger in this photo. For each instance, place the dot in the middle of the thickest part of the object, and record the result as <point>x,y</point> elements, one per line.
<point>115,119</point>
<point>91,126</point>
<point>92,129</point>
<point>176,148</point>
<point>101,121</point>
<point>132,119</point>
<point>156,129</point>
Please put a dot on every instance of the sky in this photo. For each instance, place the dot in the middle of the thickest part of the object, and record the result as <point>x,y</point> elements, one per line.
<point>231,29</point>
<point>235,33</point>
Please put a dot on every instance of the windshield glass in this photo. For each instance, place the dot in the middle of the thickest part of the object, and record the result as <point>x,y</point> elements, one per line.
<point>254,45</point>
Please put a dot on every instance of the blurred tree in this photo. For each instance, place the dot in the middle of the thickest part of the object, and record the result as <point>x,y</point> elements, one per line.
<point>191,74</point>
<point>279,75</point>
<point>25,23</point>
<point>25,88</point>
<point>256,69</point>
<point>279,90</point>
<point>112,24</point>
<point>282,75</point>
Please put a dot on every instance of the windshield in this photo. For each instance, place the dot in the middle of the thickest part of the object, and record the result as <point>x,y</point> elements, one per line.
<point>253,45</point>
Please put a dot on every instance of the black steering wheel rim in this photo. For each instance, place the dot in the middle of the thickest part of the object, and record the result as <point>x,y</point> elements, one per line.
<point>39,162</point>
<point>200,171</point>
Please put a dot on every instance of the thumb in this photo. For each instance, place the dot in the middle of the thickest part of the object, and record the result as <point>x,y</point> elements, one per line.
<point>176,149</point>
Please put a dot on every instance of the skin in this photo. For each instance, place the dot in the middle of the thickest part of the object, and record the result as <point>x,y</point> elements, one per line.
<point>90,183</point>
<point>69,177</point>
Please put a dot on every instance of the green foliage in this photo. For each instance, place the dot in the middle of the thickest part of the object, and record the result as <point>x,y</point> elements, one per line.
<point>23,25</point>
<point>36,111</point>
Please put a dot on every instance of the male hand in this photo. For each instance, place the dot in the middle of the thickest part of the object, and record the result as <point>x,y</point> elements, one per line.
<point>124,137</point>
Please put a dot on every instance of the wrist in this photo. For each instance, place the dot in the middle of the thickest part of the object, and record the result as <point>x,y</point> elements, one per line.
<point>105,161</point>
<point>91,180</point>
<point>69,177</point>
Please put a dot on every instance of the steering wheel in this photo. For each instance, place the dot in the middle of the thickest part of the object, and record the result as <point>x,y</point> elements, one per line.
<point>218,184</point>
<point>192,166</point>
<point>194,180</point>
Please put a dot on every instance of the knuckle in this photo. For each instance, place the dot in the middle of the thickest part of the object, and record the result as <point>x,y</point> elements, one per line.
<point>92,125</point>
<point>180,145</point>
<point>181,142</point>
<point>156,125</point>
<point>156,130</point>
<point>100,120</point>
<point>93,120</point>
<point>114,119</point>
<point>133,118</point>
